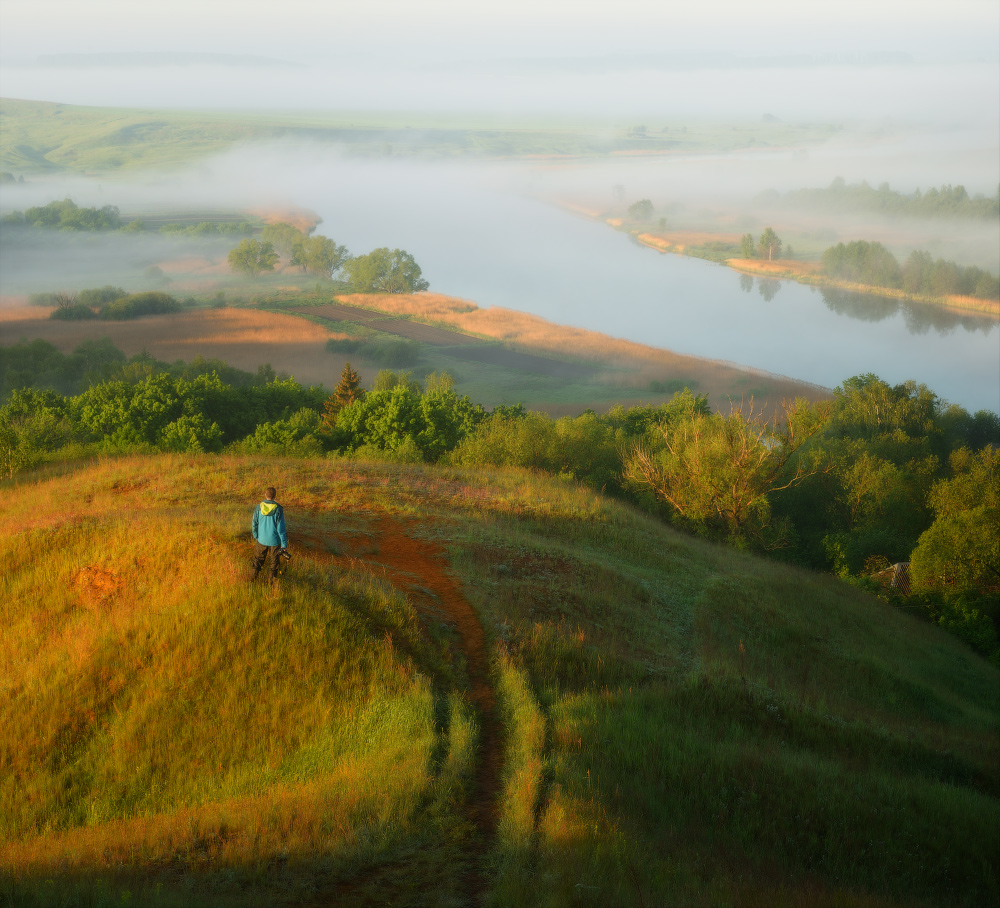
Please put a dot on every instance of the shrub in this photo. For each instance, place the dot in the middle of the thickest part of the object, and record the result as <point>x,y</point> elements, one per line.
<point>191,435</point>
<point>99,296</point>
<point>73,313</point>
<point>151,302</point>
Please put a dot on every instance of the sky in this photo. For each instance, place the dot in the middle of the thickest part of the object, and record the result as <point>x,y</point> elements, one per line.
<point>457,29</point>
<point>847,58</point>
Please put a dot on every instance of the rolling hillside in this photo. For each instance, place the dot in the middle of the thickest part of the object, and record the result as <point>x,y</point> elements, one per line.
<point>469,688</point>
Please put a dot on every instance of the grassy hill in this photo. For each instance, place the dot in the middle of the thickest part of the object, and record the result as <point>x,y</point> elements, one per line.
<point>469,687</point>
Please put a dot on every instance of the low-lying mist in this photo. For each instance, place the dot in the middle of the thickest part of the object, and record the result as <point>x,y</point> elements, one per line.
<point>394,201</point>
<point>497,233</point>
<point>785,84</point>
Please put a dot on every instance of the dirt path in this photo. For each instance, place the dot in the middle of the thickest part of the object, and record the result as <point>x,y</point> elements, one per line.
<point>413,564</point>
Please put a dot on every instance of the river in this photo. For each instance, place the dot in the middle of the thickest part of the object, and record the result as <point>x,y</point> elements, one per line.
<point>498,248</point>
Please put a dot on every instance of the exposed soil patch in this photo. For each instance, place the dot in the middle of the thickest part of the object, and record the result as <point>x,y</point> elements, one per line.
<point>97,584</point>
<point>415,564</point>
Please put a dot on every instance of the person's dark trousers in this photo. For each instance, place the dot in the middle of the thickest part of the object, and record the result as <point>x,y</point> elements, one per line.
<point>261,554</point>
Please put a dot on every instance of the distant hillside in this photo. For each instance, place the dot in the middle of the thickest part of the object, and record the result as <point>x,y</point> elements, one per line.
<point>469,687</point>
<point>40,136</point>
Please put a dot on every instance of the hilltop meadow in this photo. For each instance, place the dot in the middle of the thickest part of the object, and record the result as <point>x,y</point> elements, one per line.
<point>472,686</point>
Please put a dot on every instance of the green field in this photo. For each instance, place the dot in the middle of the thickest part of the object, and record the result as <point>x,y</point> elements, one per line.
<point>470,685</point>
<point>44,137</point>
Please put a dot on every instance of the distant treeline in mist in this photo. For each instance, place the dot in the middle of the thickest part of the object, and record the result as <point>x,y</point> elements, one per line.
<point>871,263</point>
<point>879,475</point>
<point>946,202</point>
<point>67,215</point>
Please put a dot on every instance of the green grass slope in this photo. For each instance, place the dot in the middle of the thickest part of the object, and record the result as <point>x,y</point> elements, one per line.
<point>667,721</point>
<point>41,136</point>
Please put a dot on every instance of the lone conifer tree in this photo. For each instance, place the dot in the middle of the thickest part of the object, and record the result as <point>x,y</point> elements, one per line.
<point>347,391</point>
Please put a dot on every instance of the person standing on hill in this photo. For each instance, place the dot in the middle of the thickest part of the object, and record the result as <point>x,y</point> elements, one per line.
<point>270,539</point>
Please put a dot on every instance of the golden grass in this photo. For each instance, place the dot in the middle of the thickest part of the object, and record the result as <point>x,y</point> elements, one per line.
<point>424,306</point>
<point>777,267</point>
<point>647,759</point>
<point>679,240</point>
<point>301,218</point>
<point>990,307</point>
<point>16,309</point>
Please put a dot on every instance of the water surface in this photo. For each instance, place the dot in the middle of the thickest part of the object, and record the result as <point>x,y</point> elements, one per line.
<point>498,249</point>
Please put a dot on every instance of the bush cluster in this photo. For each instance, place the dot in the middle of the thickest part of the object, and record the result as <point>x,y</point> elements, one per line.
<point>108,303</point>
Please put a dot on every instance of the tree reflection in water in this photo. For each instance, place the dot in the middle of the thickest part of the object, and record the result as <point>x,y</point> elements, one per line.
<point>768,288</point>
<point>920,318</point>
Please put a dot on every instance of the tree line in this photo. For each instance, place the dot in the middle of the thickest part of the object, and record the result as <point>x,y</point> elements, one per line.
<point>67,215</point>
<point>946,202</point>
<point>879,475</point>
<point>383,270</point>
<point>871,263</point>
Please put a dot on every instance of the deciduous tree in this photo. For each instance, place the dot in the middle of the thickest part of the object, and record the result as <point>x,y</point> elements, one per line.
<point>961,549</point>
<point>770,243</point>
<point>385,271</point>
<point>251,257</point>
<point>641,210</point>
<point>717,472</point>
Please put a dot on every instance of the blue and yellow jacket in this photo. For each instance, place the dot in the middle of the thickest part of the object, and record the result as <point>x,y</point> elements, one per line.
<point>269,524</point>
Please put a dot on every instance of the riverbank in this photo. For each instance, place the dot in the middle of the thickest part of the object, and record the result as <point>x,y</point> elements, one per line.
<point>719,246</point>
<point>812,273</point>
<point>496,355</point>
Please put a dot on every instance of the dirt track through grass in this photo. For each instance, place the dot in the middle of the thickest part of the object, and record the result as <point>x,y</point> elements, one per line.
<point>418,568</point>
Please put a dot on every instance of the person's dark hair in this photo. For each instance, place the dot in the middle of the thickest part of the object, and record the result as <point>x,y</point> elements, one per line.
<point>270,492</point>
